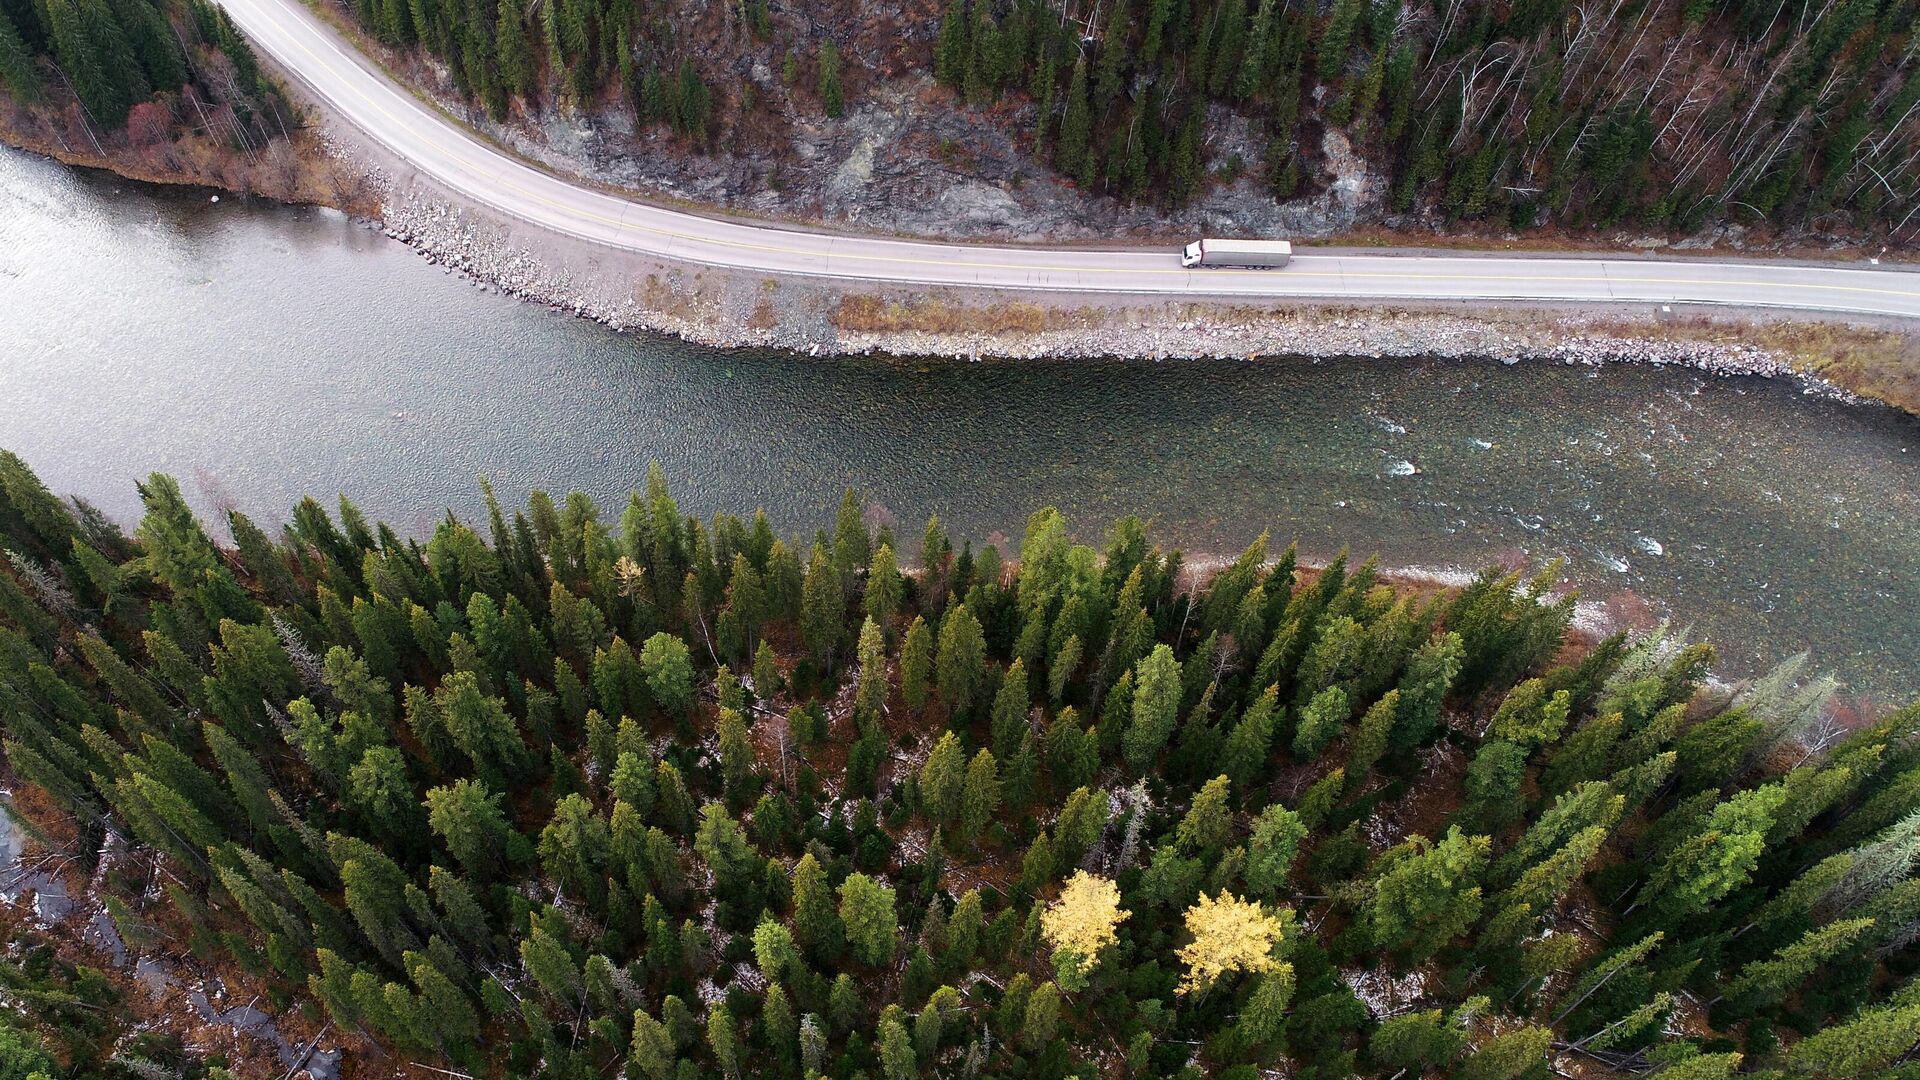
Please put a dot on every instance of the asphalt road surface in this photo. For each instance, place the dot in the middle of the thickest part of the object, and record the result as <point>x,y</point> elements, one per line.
<point>356,90</point>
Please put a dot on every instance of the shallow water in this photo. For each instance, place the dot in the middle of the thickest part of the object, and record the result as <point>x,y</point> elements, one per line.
<point>261,353</point>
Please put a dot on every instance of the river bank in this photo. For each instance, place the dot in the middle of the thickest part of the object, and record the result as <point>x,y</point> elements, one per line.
<point>1850,359</point>
<point>302,168</point>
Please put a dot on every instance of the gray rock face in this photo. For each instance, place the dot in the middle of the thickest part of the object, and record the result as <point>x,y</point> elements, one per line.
<point>909,158</point>
<point>52,904</point>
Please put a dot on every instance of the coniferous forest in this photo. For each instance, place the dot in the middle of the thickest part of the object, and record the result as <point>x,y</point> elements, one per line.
<point>146,66</point>
<point>574,794</point>
<point>1670,114</point>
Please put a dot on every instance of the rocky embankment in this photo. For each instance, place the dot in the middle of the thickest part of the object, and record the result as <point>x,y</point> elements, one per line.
<point>727,310</point>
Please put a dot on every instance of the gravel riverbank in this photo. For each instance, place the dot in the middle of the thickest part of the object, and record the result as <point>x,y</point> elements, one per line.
<point>724,309</point>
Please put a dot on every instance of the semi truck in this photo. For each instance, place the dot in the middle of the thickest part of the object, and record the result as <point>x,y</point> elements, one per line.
<point>1243,253</point>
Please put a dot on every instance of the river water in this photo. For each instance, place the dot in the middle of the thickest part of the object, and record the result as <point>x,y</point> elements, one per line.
<point>261,352</point>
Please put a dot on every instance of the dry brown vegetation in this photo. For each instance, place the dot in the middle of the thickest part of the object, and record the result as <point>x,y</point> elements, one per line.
<point>1879,364</point>
<point>157,147</point>
<point>863,313</point>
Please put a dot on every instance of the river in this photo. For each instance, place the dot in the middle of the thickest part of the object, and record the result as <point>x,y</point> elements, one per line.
<point>261,352</point>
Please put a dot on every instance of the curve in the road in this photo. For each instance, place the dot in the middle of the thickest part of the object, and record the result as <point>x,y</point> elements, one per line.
<point>366,97</point>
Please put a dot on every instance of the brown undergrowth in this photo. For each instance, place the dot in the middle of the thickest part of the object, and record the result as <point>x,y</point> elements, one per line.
<point>867,314</point>
<point>295,169</point>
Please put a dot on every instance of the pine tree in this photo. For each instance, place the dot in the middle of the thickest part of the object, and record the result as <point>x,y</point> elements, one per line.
<point>1859,1047</point>
<point>885,588</point>
<point>736,754</point>
<point>1336,39</point>
<point>1426,894</point>
<point>1424,686</point>
<point>18,72</point>
<point>1277,834</point>
<point>652,1050</point>
<point>1371,738</point>
<point>1159,15</point>
<point>866,910</point>
<point>816,926</point>
<point>1073,155</point>
<point>916,663</point>
<point>378,787</point>
<point>1156,704</point>
<point>469,821</point>
<point>1764,982</point>
<point>952,47</point>
<point>942,777</point>
<point>723,1037</point>
<point>844,1005</point>
<point>822,618</point>
<point>1010,708</point>
<point>980,795</point>
<point>1073,755</point>
<point>514,52</point>
<point>1188,167</point>
<point>1063,666</point>
<point>574,847</point>
<point>93,53</point>
<point>1321,722</point>
<point>895,1046</point>
<point>1716,858</point>
<point>669,672</point>
<point>983,41</point>
<point>1228,47</point>
<point>1042,1017</point>
<point>959,669</point>
<point>775,952</point>
<point>832,98</point>
<point>1493,783</point>
<point>691,103</point>
<point>1245,755</point>
<point>1209,820</point>
<point>1083,818</point>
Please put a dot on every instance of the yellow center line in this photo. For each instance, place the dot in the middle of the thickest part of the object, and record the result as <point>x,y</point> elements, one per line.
<point>619,224</point>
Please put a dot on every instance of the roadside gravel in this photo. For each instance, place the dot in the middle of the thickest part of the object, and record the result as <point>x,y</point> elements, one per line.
<point>730,310</point>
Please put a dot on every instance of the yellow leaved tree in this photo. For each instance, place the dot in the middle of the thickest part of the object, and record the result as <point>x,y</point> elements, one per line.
<point>1080,924</point>
<point>1229,934</point>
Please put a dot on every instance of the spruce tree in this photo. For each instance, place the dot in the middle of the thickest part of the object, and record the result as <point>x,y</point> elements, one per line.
<point>1073,155</point>
<point>951,48</point>
<point>943,778</point>
<point>832,99</point>
<point>866,910</point>
<point>980,795</point>
<point>1156,703</point>
<point>916,663</point>
<point>960,666</point>
<point>19,74</point>
<point>468,819</point>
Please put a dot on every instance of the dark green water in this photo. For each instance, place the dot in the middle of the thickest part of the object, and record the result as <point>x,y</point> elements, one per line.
<point>261,353</point>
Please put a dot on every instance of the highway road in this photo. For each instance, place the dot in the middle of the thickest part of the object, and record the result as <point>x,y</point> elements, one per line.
<point>358,91</point>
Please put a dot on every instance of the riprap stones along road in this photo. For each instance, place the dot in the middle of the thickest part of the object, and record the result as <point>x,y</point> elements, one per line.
<point>366,97</point>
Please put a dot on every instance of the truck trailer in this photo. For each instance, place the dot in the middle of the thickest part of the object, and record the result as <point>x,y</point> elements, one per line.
<point>1243,253</point>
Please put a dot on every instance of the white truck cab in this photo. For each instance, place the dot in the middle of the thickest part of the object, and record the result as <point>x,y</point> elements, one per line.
<point>1244,254</point>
